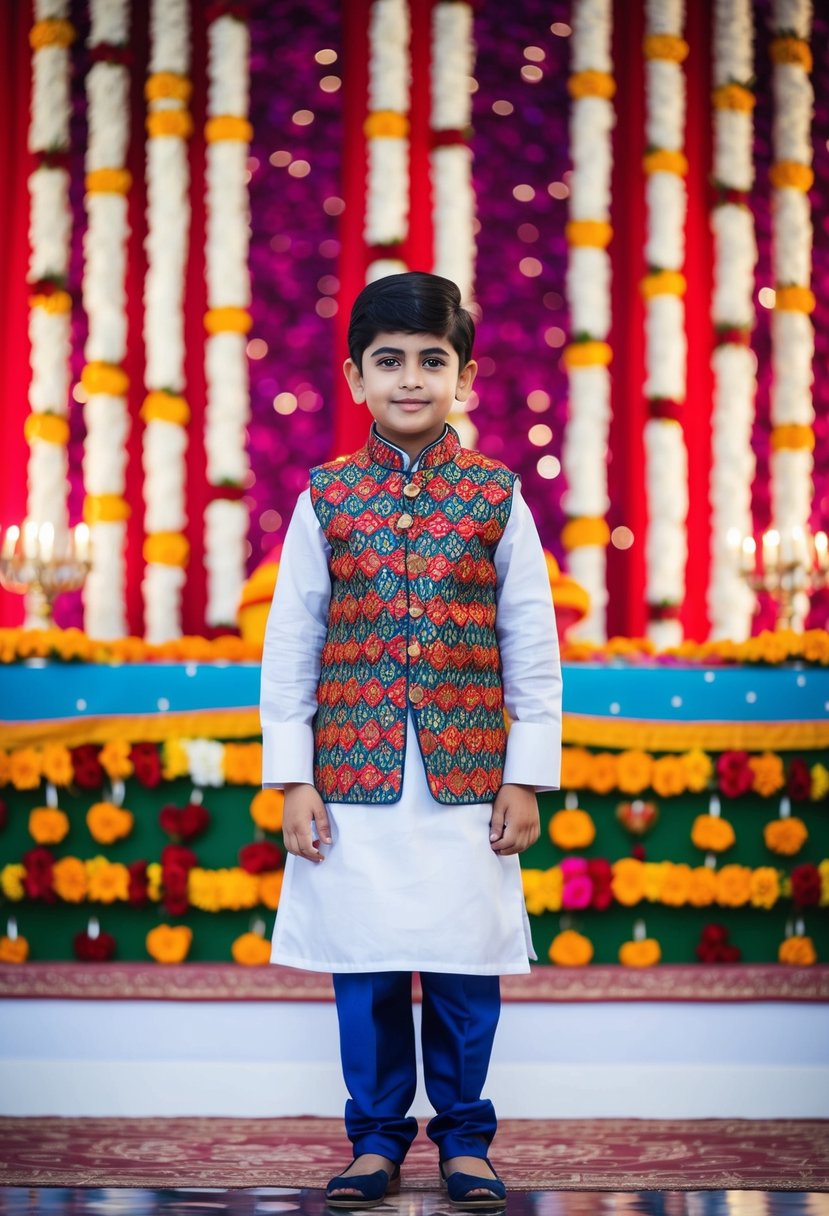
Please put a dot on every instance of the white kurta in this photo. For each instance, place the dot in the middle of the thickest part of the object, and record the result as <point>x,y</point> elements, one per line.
<point>412,885</point>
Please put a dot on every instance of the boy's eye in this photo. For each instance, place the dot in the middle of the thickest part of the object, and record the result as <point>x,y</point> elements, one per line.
<point>389,361</point>
<point>433,362</point>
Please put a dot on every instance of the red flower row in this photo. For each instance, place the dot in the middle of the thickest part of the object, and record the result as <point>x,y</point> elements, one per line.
<point>736,776</point>
<point>90,775</point>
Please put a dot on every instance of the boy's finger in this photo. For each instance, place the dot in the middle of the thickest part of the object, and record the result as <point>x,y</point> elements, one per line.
<point>496,824</point>
<point>323,824</point>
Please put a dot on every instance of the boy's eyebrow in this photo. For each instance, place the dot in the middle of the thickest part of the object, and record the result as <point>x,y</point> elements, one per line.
<point>397,350</point>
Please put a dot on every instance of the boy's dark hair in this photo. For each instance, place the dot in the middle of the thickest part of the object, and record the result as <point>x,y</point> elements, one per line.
<point>410,303</point>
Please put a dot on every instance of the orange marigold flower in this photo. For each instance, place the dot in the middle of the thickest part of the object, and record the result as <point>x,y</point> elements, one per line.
<point>108,880</point>
<point>69,879</point>
<point>243,763</point>
<point>24,769</point>
<point>572,828</point>
<point>702,887</point>
<point>797,952</point>
<point>676,884</point>
<point>733,886</point>
<point>633,771</point>
<point>270,888</point>
<point>575,768</point>
<point>698,769</point>
<point>570,949</point>
<point>765,887</point>
<point>628,882</point>
<point>769,775</point>
<point>251,950</point>
<point>266,809</point>
<point>603,773</point>
<point>712,834</point>
<point>108,823</point>
<point>169,943</point>
<point>643,953</point>
<point>56,763</point>
<point>785,836</point>
<point>13,950</point>
<point>668,776</point>
<point>48,825</point>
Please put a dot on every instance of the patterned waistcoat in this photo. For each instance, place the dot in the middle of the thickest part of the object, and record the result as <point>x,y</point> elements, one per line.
<point>411,622</point>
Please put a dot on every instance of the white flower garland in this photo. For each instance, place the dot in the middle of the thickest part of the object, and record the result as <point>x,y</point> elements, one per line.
<point>104,297</point>
<point>168,221</point>
<point>387,131</point>
<point>666,471</point>
<point>50,227</point>
<point>730,600</point>
<point>792,409</point>
<point>453,212</point>
<point>584,450</point>
<point>228,134</point>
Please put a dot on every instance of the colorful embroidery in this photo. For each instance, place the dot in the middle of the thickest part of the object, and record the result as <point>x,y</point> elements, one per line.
<point>411,622</point>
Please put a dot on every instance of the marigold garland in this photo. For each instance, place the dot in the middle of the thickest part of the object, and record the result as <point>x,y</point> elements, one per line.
<point>51,31</point>
<point>168,86</point>
<point>48,825</point>
<point>787,49</point>
<point>228,320</point>
<point>108,181</point>
<point>13,950</point>
<point>386,124</point>
<point>165,407</point>
<point>54,302</point>
<point>791,174</point>
<point>48,428</point>
<point>792,437</point>
<point>733,97</point>
<point>794,298</point>
<point>586,530</point>
<point>587,354</point>
<point>108,822</point>
<point>105,508</point>
<point>251,950</point>
<point>663,283</point>
<point>665,160</point>
<point>164,123</point>
<point>228,127</point>
<point>266,809</point>
<point>109,378</point>
<point>169,943</point>
<point>665,46</point>
<point>166,548</point>
<point>591,83</point>
<point>572,829</point>
<point>594,234</point>
<point>785,836</point>
<point>712,834</point>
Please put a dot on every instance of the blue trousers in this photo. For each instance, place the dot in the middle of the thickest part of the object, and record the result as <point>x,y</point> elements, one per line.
<point>377,1045</point>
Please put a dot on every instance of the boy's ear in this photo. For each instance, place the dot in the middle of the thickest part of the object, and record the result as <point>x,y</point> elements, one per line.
<point>465,381</point>
<point>354,377</point>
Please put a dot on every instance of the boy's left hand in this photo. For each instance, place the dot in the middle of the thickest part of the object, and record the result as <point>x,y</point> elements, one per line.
<point>515,824</point>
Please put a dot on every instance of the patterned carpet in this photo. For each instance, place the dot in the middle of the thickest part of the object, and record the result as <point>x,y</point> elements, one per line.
<point>532,1155</point>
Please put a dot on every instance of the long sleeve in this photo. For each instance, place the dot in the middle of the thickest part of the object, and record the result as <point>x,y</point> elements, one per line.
<point>526,629</point>
<point>294,639</point>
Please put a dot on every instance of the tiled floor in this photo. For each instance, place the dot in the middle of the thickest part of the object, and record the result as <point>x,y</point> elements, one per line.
<point>260,1201</point>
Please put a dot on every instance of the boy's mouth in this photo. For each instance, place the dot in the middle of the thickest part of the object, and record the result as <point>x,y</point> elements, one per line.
<point>410,401</point>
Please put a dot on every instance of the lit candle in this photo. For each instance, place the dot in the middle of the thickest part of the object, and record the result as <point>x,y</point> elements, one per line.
<point>30,535</point>
<point>93,928</point>
<point>13,535</point>
<point>800,546</point>
<point>11,929</point>
<point>46,541</point>
<point>749,555</point>
<point>771,549</point>
<point>639,931</point>
<point>81,542</point>
<point>821,550</point>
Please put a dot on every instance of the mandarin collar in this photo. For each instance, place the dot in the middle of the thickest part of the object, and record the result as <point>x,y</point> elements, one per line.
<point>387,454</point>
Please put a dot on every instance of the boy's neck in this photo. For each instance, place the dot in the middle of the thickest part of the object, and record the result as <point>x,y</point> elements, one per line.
<point>413,445</point>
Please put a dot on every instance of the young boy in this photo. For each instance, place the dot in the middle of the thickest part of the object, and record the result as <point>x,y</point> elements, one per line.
<point>412,606</point>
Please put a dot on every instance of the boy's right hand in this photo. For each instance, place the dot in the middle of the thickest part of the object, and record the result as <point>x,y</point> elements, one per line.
<point>303,806</point>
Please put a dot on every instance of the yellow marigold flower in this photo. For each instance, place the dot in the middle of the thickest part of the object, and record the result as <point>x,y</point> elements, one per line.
<point>49,428</point>
<point>789,49</point>
<point>663,283</point>
<point>552,885</point>
<point>56,764</point>
<point>165,407</point>
<point>165,123</point>
<point>168,86</point>
<point>105,508</point>
<point>266,810</point>
<point>48,825</point>
<point>575,768</point>
<point>591,83</point>
<point>108,181</point>
<point>668,776</point>
<point>665,160</point>
<point>815,646</point>
<point>633,771</point>
<point>572,829</point>
<point>166,549</point>
<point>603,773</point>
<point>654,873</point>
<point>115,759</point>
<point>13,950</point>
<point>765,887</point>
<point>24,769</point>
<point>251,950</point>
<point>108,378</point>
<point>794,298</point>
<point>239,889</point>
<point>154,880</point>
<point>55,302</point>
<point>769,775</point>
<point>11,880</point>
<point>702,887</point>
<point>51,31</point>
<point>108,823</point>
<point>174,759</point>
<point>797,952</point>
<point>71,644</point>
<point>587,354</point>
<point>792,437</point>
<point>570,949</point>
<point>698,769</point>
<point>586,530</point>
<point>823,869</point>
<point>533,898</point>
<point>594,234</point>
<point>69,879</point>
<point>5,768</point>
<point>109,882</point>
<point>386,124</point>
<point>204,889</point>
<point>228,127</point>
<point>643,953</point>
<point>792,174</point>
<point>242,763</point>
<point>676,884</point>
<point>785,836</point>
<point>665,46</point>
<point>733,886</point>
<point>169,943</point>
<point>628,882</point>
<point>270,888</point>
<point>228,320</point>
<point>712,834</point>
<point>733,97</point>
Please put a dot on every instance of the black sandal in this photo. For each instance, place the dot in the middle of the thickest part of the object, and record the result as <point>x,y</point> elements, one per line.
<point>458,1187</point>
<point>372,1188</point>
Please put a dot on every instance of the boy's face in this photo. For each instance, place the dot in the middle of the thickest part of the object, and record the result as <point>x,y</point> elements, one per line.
<point>410,383</point>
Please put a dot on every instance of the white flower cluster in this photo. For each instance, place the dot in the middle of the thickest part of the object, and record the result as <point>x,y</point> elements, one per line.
<point>105,302</point>
<point>792,329</point>
<point>50,226</point>
<point>228,286</point>
<point>453,56</point>
<point>387,185</point>
<point>168,224</point>
<point>666,473</point>
<point>730,600</point>
<point>584,449</point>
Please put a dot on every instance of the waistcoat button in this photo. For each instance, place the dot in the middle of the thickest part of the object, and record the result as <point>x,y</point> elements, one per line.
<point>416,610</point>
<point>415,694</point>
<point>413,650</point>
<point>405,521</point>
<point>411,490</point>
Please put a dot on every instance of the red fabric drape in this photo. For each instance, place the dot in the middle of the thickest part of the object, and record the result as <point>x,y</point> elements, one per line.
<point>15,165</point>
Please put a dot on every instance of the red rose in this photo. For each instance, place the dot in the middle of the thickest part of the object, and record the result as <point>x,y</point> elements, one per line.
<point>146,763</point>
<point>37,881</point>
<point>734,773</point>
<point>169,818</point>
<point>256,858</point>
<point>730,954</point>
<point>94,949</point>
<point>799,781</point>
<point>638,851</point>
<point>89,775</point>
<point>184,822</point>
<point>601,875</point>
<point>137,894</point>
<point>715,935</point>
<point>178,857</point>
<point>806,885</point>
<point>175,900</point>
<point>4,813</point>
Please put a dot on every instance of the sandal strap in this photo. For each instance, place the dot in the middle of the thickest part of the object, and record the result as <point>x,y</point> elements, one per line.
<point>459,1185</point>
<point>369,1186</point>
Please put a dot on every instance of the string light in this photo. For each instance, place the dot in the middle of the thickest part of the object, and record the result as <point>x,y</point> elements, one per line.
<point>326,56</point>
<point>548,467</point>
<point>280,159</point>
<point>538,401</point>
<point>531,267</point>
<point>285,403</point>
<point>540,434</point>
<point>503,107</point>
<point>621,537</point>
<point>302,118</point>
<point>531,73</point>
<point>523,193</point>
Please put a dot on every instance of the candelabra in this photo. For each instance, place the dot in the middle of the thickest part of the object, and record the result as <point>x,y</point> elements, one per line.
<point>792,566</point>
<point>31,560</point>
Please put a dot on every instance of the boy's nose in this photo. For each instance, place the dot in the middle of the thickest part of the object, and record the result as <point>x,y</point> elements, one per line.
<point>410,376</point>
